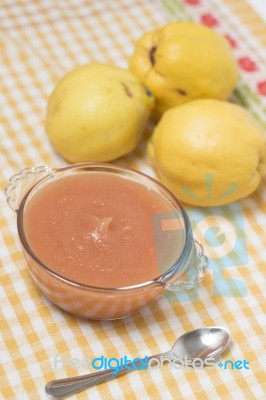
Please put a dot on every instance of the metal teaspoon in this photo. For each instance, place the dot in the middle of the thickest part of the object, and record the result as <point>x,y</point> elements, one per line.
<point>200,343</point>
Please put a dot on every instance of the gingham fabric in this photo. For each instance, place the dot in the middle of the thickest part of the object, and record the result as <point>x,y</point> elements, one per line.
<point>40,40</point>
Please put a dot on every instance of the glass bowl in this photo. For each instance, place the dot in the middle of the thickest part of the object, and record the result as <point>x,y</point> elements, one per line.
<point>184,269</point>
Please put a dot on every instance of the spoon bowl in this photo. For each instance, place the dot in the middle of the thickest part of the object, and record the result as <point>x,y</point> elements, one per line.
<point>202,343</point>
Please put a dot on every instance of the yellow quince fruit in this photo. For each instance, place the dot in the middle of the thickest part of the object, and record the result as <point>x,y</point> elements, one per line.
<point>184,61</point>
<point>209,152</point>
<point>97,112</point>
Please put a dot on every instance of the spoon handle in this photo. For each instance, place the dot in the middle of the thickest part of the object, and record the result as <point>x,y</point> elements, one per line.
<point>62,388</point>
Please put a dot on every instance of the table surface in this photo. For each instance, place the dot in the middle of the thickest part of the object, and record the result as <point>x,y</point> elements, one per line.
<point>259,7</point>
<point>39,42</point>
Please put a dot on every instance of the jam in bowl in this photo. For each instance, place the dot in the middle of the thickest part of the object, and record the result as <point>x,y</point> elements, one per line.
<point>102,241</point>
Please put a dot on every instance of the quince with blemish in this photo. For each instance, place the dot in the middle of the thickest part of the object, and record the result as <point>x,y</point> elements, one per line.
<point>184,61</point>
<point>97,112</point>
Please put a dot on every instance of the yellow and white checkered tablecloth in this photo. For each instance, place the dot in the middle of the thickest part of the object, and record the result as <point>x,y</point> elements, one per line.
<point>40,40</point>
